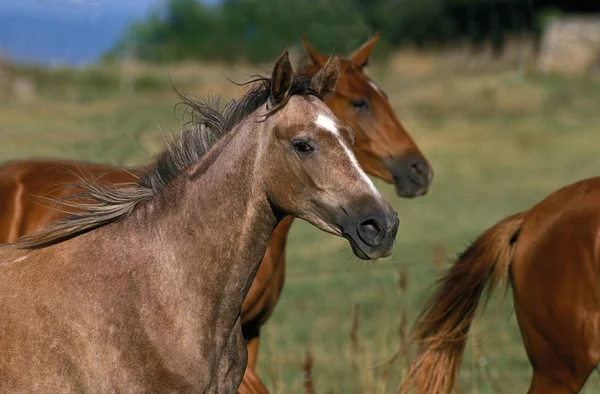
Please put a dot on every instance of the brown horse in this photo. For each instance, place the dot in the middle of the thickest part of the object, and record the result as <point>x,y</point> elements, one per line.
<point>383,148</point>
<point>142,289</point>
<point>550,254</point>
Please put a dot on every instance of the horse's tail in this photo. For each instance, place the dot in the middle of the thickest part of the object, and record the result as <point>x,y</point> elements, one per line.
<point>441,329</point>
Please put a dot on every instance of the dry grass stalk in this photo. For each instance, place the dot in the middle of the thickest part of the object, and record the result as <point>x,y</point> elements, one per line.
<point>480,371</point>
<point>271,370</point>
<point>439,256</point>
<point>402,328</point>
<point>307,366</point>
<point>355,349</point>
<point>402,279</point>
<point>402,352</point>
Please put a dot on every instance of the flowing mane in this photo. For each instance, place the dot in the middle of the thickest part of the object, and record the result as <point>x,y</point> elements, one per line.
<point>97,205</point>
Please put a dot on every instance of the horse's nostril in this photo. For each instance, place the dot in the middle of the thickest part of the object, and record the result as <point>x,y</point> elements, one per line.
<point>370,232</point>
<point>412,175</point>
<point>371,228</point>
<point>420,172</point>
<point>419,169</point>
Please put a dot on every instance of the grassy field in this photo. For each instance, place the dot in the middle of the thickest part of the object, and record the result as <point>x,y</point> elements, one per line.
<point>499,142</point>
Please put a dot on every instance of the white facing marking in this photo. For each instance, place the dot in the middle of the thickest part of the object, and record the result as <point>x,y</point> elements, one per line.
<point>362,173</point>
<point>377,88</point>
<point>329,124</point>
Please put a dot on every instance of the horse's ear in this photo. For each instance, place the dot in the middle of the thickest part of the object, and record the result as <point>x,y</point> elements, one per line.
<point>318,59</point>
<point>361,56</point>
<point>325,80</point>
<point>281,81</point>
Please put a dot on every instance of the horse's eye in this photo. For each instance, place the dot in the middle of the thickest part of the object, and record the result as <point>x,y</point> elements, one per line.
<point>302,147</point>
<point>360,104</point>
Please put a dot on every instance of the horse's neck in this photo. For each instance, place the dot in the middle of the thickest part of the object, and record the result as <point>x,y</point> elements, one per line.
<point>218,220</point>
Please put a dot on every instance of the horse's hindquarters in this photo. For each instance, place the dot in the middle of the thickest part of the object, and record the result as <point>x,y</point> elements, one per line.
<point>555,280</point>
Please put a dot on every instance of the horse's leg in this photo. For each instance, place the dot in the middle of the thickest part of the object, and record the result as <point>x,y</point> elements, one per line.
<point>561,339</point>
<point>251,384</point>
<point>558,310</point>
<point>563,355</point>
<point>544,384</point>
<point>562,360</point>
<point>252,345</point>
<point>231,365</point>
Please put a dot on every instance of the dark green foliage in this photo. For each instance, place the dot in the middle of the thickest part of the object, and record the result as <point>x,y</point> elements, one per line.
<point>253,30</point>
<point>259,30</point>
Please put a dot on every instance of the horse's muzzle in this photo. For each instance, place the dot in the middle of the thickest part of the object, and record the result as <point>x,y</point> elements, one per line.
<point>412,175</point>
<point>372,236</point>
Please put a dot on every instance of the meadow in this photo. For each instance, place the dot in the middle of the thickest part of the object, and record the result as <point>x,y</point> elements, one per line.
<point>498,140</point>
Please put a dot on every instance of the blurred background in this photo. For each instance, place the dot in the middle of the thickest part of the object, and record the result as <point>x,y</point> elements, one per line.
<point>502,96</point>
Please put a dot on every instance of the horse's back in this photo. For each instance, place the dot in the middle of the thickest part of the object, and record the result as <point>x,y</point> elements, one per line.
<point>556,276</point>
<point>25,187</point>
<point>565,225</point>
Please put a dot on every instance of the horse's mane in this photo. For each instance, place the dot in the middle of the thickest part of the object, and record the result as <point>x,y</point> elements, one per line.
<point>97,205</point>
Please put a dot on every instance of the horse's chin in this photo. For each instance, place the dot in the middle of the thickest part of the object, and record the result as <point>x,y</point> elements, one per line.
<point>409,192</point>
<point>358,252</point>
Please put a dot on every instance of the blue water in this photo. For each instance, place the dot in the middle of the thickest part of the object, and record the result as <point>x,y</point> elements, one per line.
<point>72,32</point>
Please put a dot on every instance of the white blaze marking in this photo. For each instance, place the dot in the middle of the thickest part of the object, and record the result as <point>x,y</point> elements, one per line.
<point>364,176</point>
<point>377,88</point>
<point>329,124</point>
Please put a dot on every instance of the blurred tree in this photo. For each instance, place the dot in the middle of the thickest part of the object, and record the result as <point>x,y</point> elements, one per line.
<point>243,29</point>
<point>257,30</point>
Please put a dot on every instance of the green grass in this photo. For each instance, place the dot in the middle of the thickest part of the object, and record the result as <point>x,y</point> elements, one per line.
<point>498,142</point>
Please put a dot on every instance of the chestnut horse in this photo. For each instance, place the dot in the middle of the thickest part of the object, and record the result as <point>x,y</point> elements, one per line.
<point>383,148</point>
<point>550,254</point>
<point>141,290</point>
